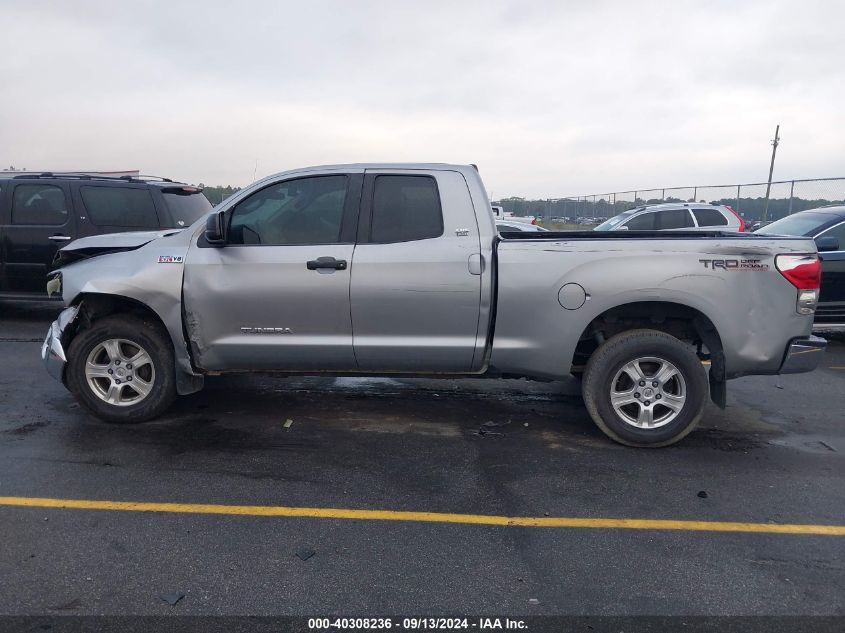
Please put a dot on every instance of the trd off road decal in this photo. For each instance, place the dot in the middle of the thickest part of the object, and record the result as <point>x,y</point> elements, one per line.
<point>170,259</point>
<point>734,264</point>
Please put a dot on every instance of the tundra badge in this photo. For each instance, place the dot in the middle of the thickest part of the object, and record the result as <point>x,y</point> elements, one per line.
<point>266,330</point>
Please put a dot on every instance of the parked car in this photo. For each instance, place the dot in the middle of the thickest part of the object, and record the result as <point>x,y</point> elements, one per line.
<point>398,270</point>
<point>40,212</point>
<point>503,226</point>
<point>687,216</point>
<point>753,225</point>
<point>826,225</point>
<point>500,214</point>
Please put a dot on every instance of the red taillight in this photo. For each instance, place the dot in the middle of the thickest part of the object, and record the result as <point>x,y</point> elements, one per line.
<point>803,271</point>
<point>738,217</point>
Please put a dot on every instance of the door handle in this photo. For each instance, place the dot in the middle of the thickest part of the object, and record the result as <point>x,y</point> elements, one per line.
<point>326,263</point>
<point>60,238</point>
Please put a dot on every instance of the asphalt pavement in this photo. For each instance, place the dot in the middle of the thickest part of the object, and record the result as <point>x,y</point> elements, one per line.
<point>775,456</point>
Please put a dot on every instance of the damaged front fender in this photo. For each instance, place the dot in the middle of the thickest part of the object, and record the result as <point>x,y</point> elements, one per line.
<point>53,348</point>
<point>135,271</point>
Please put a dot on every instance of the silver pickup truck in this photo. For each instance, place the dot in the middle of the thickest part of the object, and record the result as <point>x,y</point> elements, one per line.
<point>398,270</point>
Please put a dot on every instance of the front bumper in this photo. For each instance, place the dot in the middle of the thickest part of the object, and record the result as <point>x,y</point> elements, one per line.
<point>828,327</point>
<point>802,355</point>
<point>53,351</point>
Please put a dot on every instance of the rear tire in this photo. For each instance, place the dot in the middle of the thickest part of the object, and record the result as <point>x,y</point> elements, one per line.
<point>121,369</point>
<point>645,388</point>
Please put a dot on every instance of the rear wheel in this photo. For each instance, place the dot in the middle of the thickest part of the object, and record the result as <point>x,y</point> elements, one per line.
<point>645,388</point>
<point>121,369</point>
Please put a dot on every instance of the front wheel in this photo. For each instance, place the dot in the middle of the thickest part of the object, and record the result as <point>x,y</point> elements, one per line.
<point>645,388</point>
<point>121,369</point>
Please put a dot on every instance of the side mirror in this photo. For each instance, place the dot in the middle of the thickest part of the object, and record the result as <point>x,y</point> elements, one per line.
<point>623,228</point>
<point>827,244</point>
<point>214,232</point>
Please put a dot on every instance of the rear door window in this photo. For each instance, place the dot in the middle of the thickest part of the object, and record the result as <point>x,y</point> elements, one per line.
<point>673,219</point>
<point>405,208</point>
<point>709,217</point>
<point>120,206</point>
<point>39,205</point>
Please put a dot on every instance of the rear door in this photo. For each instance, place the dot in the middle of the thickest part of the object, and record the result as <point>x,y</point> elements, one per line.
<point>416,274</point>
<point>38,220</point>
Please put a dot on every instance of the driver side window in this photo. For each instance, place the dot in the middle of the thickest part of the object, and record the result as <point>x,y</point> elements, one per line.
<point>838,232</point>
<point>301,211</point>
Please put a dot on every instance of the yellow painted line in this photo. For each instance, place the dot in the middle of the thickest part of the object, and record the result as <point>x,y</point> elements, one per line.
<point>835,367</point>
<point>428,517</point>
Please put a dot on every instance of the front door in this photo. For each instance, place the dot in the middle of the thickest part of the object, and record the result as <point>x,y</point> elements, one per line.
<point>38,221</point>
<point>276,296</point>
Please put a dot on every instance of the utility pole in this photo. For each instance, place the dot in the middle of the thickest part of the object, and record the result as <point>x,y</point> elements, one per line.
<point>771,170</point>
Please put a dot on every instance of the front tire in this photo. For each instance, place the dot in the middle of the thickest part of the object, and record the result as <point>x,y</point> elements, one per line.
<point>121,369</point>
<point>645,388</point>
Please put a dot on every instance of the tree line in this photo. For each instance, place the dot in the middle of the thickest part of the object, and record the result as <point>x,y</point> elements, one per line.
<point>218,194</point>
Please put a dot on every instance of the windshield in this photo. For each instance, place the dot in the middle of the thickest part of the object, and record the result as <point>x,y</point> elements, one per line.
<point>804,223</point>
<point>186,207</point>
<point>613,222</point>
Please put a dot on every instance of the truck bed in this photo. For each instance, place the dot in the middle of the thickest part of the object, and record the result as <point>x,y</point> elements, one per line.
<point>627,235</point>
<point>730,279</point>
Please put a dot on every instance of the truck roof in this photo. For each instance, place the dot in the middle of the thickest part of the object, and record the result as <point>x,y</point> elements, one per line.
<point>364,166</point>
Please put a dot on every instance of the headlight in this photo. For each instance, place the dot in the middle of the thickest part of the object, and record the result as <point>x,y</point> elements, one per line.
<point>54,284</point>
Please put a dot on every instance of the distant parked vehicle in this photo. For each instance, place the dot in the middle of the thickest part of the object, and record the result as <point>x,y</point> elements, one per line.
<point>689,216</point>
<point>756,224</point>
<point>500,214</point>
<point>504,226</point>
<point>826,225</point>
<point>41,212</point>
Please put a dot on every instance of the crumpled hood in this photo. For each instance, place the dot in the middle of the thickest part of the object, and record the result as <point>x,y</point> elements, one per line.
<point>94,245</point>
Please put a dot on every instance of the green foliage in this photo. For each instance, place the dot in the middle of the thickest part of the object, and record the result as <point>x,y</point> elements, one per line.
<point>217,194</point>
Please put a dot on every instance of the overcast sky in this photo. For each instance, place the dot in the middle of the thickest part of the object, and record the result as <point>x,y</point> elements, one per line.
<point>548,98</point>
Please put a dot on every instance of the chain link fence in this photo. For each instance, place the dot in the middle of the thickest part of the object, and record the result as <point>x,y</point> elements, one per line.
<point>749,200</point>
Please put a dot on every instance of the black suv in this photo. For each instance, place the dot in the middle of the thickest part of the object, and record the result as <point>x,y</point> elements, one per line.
<point>41,212</point>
